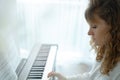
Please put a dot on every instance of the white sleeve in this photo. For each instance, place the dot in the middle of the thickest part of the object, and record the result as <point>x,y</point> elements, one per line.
<point>84,76</point>
<point>118,77</point>
<point>115,73</point>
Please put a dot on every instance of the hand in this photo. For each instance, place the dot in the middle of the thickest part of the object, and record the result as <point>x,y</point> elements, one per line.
<point>58,75</point>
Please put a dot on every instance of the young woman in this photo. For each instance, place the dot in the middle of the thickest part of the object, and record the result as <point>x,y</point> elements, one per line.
<point>103,16</point>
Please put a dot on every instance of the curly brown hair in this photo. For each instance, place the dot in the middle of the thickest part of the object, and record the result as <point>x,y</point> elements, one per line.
<point>109,11</point>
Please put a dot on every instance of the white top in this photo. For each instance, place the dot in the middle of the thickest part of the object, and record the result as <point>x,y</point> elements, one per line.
<point>95,74</point>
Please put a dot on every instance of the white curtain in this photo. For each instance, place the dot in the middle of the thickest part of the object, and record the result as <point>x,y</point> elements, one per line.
<point>9,50</point>
<point>59,22</point>
<point>9,57</point>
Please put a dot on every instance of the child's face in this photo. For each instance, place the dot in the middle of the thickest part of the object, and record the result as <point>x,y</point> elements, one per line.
<point>98,29</point>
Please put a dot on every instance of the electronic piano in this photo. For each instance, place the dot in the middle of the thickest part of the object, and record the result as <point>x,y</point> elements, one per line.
<point>40,62</point>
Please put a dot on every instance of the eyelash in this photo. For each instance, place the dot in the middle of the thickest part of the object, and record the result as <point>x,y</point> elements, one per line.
<point>94,26</point>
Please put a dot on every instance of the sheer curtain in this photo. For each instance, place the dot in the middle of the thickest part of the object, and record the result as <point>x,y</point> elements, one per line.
<point>59,22</point>
<point>9,50</point>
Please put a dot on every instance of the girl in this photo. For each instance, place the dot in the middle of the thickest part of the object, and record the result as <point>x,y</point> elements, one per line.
<point>103,17</point>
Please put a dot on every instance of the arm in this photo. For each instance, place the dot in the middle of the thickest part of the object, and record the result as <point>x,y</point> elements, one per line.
<point>84,76</point>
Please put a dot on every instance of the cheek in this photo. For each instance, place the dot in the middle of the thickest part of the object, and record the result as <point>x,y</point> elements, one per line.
<point>99,37</point>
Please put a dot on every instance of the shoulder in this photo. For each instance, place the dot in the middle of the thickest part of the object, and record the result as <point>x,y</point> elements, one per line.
<point>115,73</point>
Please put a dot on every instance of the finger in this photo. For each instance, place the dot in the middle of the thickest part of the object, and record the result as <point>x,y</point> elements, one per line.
<point>51,74</point>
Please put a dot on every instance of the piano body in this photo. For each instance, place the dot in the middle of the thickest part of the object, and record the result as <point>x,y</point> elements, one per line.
<point>39,63</point>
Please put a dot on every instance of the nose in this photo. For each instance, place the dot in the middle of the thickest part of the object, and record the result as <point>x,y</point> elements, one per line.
<point>90,32</point>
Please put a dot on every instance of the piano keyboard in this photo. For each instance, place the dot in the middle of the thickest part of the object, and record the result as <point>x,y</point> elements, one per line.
<point>37,69</point>
<point>40,62</point>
